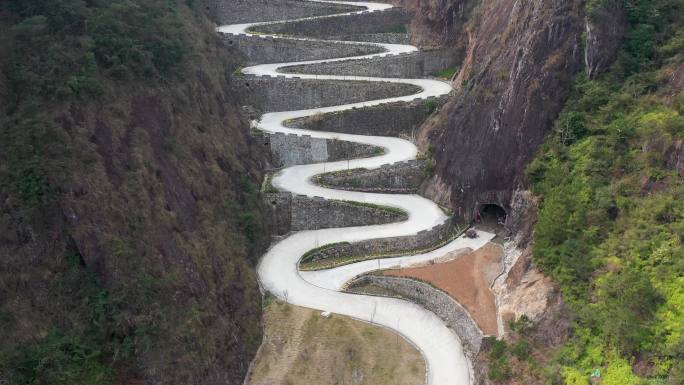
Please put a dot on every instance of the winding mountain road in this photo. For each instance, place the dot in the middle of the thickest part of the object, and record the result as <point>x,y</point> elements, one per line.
<point>278,269</point>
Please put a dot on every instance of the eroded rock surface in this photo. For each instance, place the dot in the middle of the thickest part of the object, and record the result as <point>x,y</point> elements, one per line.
<point>513,82</point>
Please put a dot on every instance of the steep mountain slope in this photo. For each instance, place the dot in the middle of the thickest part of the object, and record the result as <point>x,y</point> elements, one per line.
<point>129,220</point>
<point>611,219</point>
<point>597,85</point>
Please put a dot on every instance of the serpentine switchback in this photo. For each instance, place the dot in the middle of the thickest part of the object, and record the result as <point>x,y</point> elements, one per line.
<point>278,270</point>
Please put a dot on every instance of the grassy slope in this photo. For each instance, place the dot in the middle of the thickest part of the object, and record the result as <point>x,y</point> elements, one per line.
<point>611,223</point>
<point>129,222</point>
<point>302,347</point>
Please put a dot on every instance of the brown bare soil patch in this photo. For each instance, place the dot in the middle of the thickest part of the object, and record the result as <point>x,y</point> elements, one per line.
<point>302,347</point>
<point>467,279</point>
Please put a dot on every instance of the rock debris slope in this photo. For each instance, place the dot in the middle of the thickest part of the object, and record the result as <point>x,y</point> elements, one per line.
<point>278,270</point>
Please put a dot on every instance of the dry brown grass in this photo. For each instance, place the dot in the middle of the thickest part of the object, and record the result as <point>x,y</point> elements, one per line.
<point>316,118</point>
<point>302,347</point>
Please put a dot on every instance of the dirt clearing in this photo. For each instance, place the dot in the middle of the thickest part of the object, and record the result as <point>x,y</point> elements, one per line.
<point>467,279</point>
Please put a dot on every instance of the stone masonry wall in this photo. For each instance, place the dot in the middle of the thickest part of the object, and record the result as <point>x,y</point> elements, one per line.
<point>391,20</point>
<point>342,150</point>
<point>400,177</point>
<point>299,212</point>
<point>291,149</point>
<point>451,312</point>
<point>247,11</point>
<point>281,211</point>
<point>264,49</point>
<point>284,94</point>
<point>408,65</point>
<point>383,246</point>
<point>389,119</point>
<point>389,37</point>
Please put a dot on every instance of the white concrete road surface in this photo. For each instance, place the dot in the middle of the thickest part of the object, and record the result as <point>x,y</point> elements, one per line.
<point>277,270</point>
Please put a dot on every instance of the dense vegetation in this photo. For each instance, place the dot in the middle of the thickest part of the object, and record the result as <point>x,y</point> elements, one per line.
<point>65,49</point>
<point>129,220</point>
<point>611,223</point>
<point>57,50</point>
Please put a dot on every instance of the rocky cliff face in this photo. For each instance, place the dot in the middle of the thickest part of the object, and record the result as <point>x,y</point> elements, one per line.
<point>519,63</point>
<point>521,58</point>
<point>130,227</point>
<point>604,27</point>
<point>439,23</point>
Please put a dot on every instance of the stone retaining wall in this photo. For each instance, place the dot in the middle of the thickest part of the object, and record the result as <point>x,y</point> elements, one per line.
<point>342,150</point>
<point>299,212</point>
<point>284,94</point>
<point>291,149</point>
<point>390,38</point>
<point>249,11</point>
<point>264,49</point>
<point>408,65</point>
<point>397,178</point>
<point>388,119</point>
<point>451,312</point>
<point>387,246</point>
<point>391,20</point>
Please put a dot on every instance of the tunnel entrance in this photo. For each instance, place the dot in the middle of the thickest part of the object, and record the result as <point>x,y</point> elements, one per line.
<point>491,214</point>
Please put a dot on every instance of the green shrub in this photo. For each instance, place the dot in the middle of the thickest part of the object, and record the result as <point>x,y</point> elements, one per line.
<point>60,359</point>
<point>249,221</point>
<point>571,127</point>
<point>447,73</point>
<point>521,350</point>
<point>397,29</point>
<point>499,367</point>
<point>309,255</point>
<point>498,347</point>
<point>521,325</point>
<point>30,181</point>
<point>430,106</point>
<point>59,48</point>
<point>574,377</point>
<point>619,372</point>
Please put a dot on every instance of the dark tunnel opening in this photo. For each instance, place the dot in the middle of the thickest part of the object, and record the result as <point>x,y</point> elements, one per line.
<point>491,214</point>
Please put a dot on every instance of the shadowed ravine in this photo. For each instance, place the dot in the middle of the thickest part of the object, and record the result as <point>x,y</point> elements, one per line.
<point>278,271</point>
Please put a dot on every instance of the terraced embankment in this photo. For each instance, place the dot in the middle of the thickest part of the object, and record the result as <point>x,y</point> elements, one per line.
<point>278,270</point>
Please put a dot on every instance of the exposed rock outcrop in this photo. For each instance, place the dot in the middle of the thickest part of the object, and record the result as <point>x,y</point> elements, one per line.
<point>676,158</point>
<point>522,216</point>
<point>513,83</point>
<point>605,27</point>
<point>526,291</point>
<point>439,23</point>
